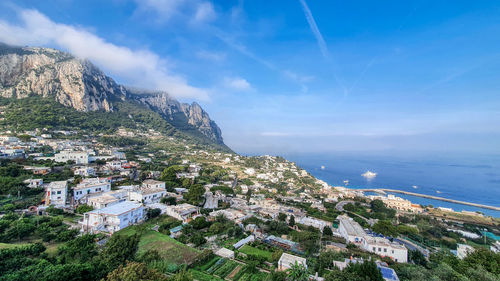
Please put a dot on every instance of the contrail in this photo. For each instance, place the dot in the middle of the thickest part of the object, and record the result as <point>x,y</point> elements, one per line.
<point>315,29</point>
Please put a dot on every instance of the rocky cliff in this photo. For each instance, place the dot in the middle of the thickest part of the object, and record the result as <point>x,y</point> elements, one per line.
<point>79,84</point>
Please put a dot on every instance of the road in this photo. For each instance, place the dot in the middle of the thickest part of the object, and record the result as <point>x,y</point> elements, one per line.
<point>340,205</point>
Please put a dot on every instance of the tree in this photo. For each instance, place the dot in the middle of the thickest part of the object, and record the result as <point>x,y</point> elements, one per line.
<point>119,249</point>
<point>135,271</point>
<point>377,206</point>
<point>291,222</point>
<point>195,194</point>
<point>182,275</point>
<point>84,208</point>
<point>385,227</point>
<point>276,255</point>
<point>417,257</point>
<point>169,200</point>
<point>170,173</point>
<point>153,213</point>
<point>199,223</point>
<point>80,249</point>
<point>298,272</point>
<point>282,217</point>
<point>197,239</point>
<point>367,270</point>
<point>327,231</point>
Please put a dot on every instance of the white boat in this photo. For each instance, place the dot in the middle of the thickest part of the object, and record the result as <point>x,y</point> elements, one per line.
<point>369,175</point>
<point>322,167</point>
<point>415,187</point>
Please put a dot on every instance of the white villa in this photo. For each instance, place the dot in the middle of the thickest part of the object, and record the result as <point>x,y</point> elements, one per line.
<point>385,248</point>
<point>80,157</point>
<point>287,261</point>
<point>350,230</point>
<point>56,193</point>
<point>184,212</point>
<point>113,218</point>
<point>90,186</point>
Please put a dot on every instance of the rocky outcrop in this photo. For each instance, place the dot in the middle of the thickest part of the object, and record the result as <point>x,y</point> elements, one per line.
<point>79,84</point>
<point>47,72</point>
<point>176,112</point>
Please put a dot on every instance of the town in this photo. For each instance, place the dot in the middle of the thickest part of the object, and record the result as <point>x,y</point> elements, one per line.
<point>216,215</point>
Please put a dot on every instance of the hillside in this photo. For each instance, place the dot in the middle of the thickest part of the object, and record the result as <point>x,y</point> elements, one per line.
<point>55,89</point>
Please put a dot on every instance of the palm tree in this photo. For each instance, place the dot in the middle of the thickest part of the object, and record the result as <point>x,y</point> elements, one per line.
<point>298,272</point>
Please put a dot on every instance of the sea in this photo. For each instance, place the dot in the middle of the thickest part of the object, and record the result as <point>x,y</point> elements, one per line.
<point>470,177</point>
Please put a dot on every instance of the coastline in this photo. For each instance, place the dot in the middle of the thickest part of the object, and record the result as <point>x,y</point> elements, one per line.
<point>482,206</point>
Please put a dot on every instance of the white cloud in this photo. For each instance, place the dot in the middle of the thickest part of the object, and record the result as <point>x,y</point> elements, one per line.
<point>198,11</point>
<point>141,68</point>
<point>237,83</point>
<point>165,9</point>
<point>212,56</point>
<point>205,12</point>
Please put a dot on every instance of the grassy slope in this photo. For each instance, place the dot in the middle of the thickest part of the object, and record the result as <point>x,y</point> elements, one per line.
<point>37,112</point>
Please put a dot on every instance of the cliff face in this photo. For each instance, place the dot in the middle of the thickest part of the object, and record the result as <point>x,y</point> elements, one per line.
<point>47,72</point>
<point>176,112</point>
<point>79,84</point>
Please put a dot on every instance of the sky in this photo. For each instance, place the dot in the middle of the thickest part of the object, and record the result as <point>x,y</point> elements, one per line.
<point>304,76</point>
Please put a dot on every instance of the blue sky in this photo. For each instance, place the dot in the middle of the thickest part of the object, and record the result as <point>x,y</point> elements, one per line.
<point>297,75</point>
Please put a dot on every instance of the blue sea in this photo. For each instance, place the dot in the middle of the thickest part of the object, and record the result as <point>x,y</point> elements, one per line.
<point>466,177</point>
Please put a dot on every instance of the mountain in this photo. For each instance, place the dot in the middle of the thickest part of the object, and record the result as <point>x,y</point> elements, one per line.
<point>78,84</point>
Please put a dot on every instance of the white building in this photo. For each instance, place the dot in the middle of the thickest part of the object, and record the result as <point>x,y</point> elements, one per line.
<point>385,248</point>
<point>80,157</point>
<point>316,223</point>
<point>153,184</point>
<point>184,212</point>
<point>350,230</point>
<point>56,193</point>
<point>85,172</point>
<point>151,191</point>
<point>463,250</point>
<point>34,183</point>
<point>113,218</point>
<point>103,200</point>
<point>90,186</point>
<point>225,253</point>
<point>287,261</point>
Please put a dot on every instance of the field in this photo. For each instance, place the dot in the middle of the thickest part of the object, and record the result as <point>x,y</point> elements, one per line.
<point>12,245</point>
<point>249,250</point>
<point>218,269</point>
<point>170,249</point>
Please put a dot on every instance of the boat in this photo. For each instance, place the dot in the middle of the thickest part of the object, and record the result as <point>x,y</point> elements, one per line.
<point>415,187</point>
<point>369,175</point>
<point>322,167</point>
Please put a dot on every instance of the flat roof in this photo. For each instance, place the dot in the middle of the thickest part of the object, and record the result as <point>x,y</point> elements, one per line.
<point>117,209</point>
<point>352,228</point>
<point>288,260</point>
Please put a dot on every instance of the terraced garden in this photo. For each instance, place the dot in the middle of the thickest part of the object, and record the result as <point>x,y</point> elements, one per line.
<point>218,269</point>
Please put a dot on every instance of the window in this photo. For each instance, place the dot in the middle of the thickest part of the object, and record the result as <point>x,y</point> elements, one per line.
<point>379,249</point>
<point>393,251</point>
<point>385,250</point>
<point>59,192</point>
<point>374,249</point>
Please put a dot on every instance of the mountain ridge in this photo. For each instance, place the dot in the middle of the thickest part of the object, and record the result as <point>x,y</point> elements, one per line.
<point>79,84</point>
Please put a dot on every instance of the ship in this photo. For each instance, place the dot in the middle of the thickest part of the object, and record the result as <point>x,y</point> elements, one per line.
<point>369,175</point>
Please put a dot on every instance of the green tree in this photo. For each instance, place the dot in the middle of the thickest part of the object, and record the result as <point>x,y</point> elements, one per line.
<point>84,208</point>
<point>327,231</point>
<point>297,272</point>
<point>291,222</point>
<point>385,227</point>
<point>195,194</point>
<point>282,217</point>
<point>133,271</point>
